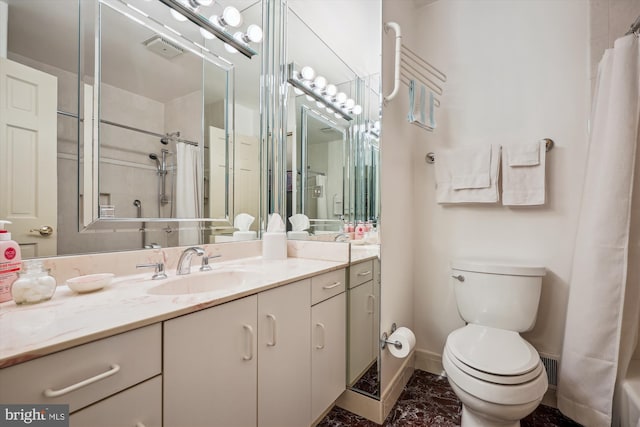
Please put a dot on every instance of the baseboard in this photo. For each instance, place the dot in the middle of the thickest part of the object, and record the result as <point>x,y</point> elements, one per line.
<point>373,409</point>
<point>429,362</point>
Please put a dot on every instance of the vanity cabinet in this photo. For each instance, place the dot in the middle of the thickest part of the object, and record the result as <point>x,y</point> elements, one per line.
<point>362,319</point>
<point>210,366</point>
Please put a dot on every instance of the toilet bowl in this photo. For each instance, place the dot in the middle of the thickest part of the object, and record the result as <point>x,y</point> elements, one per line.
<point>497,375</point>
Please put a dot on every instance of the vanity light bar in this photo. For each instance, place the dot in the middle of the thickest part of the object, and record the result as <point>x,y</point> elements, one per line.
<point>208,26</point>
<point>297,83</point>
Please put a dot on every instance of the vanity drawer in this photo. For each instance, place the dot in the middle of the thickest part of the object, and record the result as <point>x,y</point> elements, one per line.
<point>326,285</point>
<point>360,273</point>
<point>87,373</point>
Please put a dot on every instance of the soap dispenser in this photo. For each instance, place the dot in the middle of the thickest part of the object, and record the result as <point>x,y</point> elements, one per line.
<point>10,262</point>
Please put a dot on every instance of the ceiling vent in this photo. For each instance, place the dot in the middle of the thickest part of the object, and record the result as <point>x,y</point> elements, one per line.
<point>163,47</point>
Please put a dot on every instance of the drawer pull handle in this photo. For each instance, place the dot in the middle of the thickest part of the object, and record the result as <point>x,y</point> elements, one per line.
<point>249,329</point>
<point>364,273</point>
<point>272,343</point>
<point>332,286</point>
<point>55,393</point>
<point>371,307</point>
<point>321,346</point>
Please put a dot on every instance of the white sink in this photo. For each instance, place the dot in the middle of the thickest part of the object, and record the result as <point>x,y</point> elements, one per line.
<point>205,282</point>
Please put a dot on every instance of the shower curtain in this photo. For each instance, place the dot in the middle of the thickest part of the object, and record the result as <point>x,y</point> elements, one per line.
<point>188,192</point>
<point>321,201</point>
<point>602,313</point>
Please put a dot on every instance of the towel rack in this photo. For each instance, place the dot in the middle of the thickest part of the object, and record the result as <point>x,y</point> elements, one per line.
<point>411,66</point>
<point>431,156</point>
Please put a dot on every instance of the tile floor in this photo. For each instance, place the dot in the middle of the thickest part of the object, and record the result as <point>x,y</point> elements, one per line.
<point>428,400</point>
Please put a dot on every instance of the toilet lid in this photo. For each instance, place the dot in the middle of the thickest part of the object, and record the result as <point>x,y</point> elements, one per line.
<point>491,350</point>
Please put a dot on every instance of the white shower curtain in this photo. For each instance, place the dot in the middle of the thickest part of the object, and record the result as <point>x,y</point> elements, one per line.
<point>602,313</point>
<point>188,192</point>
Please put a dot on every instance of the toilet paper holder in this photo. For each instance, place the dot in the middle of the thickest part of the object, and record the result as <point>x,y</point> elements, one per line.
<point>385,339</point>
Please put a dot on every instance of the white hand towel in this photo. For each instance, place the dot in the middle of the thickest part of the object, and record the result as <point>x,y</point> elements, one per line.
<point>527,154</point>
<point>524,185</point>
<point>421,105</point>
<point>471,167</point>
<point>445,193</point>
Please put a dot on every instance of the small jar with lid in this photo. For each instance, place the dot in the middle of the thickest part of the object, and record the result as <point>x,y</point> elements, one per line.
<point>34,284</point>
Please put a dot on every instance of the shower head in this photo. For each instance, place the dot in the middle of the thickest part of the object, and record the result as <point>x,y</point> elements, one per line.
<point>165,140</point>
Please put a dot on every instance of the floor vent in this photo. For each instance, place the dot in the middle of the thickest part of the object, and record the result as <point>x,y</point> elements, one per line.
<point>551,365</point>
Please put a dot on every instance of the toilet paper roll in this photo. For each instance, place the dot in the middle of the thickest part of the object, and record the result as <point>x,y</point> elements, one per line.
<point>274,245</point>
<point>406,338</point>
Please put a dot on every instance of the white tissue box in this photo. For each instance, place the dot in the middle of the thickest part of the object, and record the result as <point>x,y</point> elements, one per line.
<point>298,235</point>
<point>239,236</point>
<point>274,245</point>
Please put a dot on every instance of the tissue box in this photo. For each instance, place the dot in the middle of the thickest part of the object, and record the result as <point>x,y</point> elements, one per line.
<point>298,235</point>
<point>239,236</point>
<point>274,245</point>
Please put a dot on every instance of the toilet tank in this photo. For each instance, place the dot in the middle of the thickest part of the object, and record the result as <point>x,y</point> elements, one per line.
<point>499,294</point>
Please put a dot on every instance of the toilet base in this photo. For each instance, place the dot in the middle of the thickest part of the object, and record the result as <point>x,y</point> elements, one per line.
<point>473,419</point>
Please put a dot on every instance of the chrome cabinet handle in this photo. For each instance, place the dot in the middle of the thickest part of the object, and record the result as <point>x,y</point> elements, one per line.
<point>249,330</point>
<point>272,343</point>
<point>332,286</point>
<point>365,273</point>
<point>459,277</point>
<point>322,328</point>
<point>55,393</point>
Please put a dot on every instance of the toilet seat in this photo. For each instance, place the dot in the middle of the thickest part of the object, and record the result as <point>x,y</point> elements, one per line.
<point>496,352</point>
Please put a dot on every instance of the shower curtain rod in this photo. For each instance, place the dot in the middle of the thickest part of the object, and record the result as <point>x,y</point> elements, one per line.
<point>635,27</point>
<point>148,132</point>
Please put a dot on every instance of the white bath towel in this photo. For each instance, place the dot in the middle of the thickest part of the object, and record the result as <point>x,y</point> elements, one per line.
<point>527,154</point>
<point>471,167</point>
<point>445,193</point>
<point>524,185</point>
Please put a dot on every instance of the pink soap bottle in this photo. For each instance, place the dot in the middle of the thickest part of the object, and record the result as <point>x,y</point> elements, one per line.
<point>10,262</point>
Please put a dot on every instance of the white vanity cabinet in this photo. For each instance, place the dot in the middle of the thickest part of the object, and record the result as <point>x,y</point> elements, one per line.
<point>362,319</point>
<point>88,373</point>
<point>210,366</point>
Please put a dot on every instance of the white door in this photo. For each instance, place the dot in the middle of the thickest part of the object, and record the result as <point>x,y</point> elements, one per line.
<point>28,156</point>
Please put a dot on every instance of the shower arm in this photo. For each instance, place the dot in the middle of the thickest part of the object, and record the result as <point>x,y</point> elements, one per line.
<point>396,82</point>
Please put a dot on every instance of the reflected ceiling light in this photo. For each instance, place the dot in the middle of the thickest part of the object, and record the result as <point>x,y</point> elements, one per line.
<point>320,104</point>
<point>349,104</point>
<point>297,91</point>
<point>357,110</point>
<point>307,73</point>
<point>330,111</point>
<point>331,90</point>
<point>341,97</point>
<point>310,98</point>
<point>319,83</point>
<point>230,18</point>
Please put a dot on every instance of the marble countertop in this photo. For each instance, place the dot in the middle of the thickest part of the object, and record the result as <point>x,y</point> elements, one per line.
<point>69,319</point>
<point>364,252</point>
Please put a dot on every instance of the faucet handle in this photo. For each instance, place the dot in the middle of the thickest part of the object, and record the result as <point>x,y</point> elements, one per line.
<point>205,262</point>
<point>159,272</point>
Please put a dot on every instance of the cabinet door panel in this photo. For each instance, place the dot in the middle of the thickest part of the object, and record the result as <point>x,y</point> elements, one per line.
<point>361,323</point>
<point>328,353</point>
<point>284,377</point>
<point>210,367</point>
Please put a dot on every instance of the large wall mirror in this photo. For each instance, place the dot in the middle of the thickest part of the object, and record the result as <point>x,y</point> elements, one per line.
<point>154,125</point>
<point>333,157</point>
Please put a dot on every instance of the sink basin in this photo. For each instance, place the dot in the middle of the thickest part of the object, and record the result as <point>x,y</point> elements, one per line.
<point>204,282</point>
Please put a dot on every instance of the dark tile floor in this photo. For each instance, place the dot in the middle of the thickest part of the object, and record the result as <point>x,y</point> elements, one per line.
<point>428,401</point>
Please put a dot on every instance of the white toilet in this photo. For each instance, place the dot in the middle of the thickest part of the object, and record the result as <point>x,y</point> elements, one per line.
<point>497,375</point>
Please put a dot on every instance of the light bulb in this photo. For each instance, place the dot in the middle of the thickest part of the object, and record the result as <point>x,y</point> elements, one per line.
<point>376,125</point>
<point>338,116</point>
<point>196,3</point>
<point>331,90</point>
<point>206,34</point>
<point>357,110</point>
<point>320,104</point>
<point>231,17</point>
<point>349,103</point>
<point>320,83</point>
<point>330,111</point>
<point>310,98</point>
<point>177,15</point>
<point>230,48</point>
<point>341,98</point>
<point>254,33</point>
<point>307,73</point>
<point>297,91</point>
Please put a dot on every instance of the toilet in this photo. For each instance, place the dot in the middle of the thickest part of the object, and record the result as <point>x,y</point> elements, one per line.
<point>497,375</point>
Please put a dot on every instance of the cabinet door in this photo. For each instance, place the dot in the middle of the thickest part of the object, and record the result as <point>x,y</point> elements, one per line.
<point>210,367</point>
<point>361,320</point>
<point>284,377</point>
<point>138,406</point>
<point>328,353</point>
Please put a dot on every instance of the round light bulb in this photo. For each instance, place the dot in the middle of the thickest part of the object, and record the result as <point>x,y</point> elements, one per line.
<point>320,104</point>
<point>376,125</point>
<point>206,34</point>
<point>254,33</point>
<point>357,110</point>
<point>297,91</point>
<point>331,90</point>
<point>349,103</point>
<point>330,111</point>
<point>341,97</point>
<point>231,17</point>
<point>177,15</point>
<point>320,82</point>
<point>338,116</point>
<point>307,73</point>
<point>230,48</point>
<point>310,98</point>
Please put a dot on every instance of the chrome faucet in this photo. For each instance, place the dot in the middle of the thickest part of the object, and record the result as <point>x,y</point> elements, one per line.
<point>184,263</point>
<point>341,237</point>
